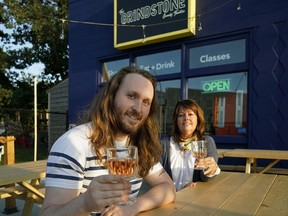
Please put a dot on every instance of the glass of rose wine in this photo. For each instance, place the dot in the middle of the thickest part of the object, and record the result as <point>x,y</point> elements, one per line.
<point>123,161</point>
<point>199,150</point>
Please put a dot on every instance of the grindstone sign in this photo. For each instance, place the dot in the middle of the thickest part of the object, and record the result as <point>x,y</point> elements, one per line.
<point>138,22</point>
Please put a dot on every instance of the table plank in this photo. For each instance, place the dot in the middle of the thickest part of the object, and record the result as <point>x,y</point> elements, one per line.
<point>237,194</point>
<point>221,152</point>
<point>208,202</point>
<point>204,198</point>
<point>276,202</point>
<point>257,153</point>
<point>185,197</point>
<point>200,192</point>
<point>22,172</point>
<point>248,197</point>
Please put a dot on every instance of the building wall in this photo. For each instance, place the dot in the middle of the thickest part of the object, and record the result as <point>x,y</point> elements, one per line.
<point>57,111</point>
<point>264,22</point>
<point>87,43</point>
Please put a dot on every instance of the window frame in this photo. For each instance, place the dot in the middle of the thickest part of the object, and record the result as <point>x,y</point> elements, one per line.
<point>187,73</point>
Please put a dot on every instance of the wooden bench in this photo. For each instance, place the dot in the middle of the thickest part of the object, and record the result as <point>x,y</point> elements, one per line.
<point>252,155</point>
<point>20,193</point>
<point>11,191</point>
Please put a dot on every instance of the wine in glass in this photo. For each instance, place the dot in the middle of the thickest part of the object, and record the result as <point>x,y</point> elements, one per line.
<point>123,161</point>
<point>199,150</point>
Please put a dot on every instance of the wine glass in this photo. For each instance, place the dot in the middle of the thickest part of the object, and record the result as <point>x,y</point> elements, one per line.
<point>199,150</point>
<point>123,161</point>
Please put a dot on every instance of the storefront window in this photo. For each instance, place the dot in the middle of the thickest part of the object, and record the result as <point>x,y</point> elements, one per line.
<point>223,99</point>
<point>168,93</point>
<point>161,63</point>
<point>218,54</point>
<point>111,67</point>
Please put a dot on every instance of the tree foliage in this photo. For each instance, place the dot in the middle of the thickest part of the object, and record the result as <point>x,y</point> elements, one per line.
<point>5,96</point>
<point>37,33</point>
<point>38,23</point>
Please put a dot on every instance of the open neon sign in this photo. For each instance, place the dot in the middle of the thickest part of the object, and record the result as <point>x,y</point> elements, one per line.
<point>216,86</point>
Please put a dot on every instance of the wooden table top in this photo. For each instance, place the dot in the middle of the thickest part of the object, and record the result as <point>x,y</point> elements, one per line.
<point>20,172</point>
<point>257,153</point>
<point>222,151</point>
<point>230,193</point>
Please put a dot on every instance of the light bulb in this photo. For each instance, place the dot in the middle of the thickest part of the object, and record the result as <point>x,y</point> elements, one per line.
<point>239,7</point>
<point>199,26</point>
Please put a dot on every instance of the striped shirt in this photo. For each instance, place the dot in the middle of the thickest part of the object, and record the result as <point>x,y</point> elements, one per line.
<point>72,163</point>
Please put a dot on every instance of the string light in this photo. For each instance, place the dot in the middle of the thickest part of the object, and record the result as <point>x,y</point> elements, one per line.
<point>239,7</point>
<point>199,26</point>
<point>144,35</point>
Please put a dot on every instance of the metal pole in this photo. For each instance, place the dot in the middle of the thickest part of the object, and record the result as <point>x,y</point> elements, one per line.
<point>35,119</point>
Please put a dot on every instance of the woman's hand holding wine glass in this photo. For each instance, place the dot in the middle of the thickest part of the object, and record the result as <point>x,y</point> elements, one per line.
<point>202,162</point>
<point>199,150</point>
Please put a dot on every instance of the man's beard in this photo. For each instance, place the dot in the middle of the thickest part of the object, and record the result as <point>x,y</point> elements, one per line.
<point>124,126</point>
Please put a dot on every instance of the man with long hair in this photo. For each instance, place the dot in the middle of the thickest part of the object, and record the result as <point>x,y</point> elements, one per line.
<point>123,113</point>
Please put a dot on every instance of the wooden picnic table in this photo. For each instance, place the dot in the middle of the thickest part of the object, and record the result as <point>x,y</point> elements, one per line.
<point>221,152</point>
<point>22,180</point>
<point>252,155</point>
<point>230,193</point>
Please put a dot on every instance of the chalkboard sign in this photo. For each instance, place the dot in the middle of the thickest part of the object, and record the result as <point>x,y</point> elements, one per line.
<point>139,22</point>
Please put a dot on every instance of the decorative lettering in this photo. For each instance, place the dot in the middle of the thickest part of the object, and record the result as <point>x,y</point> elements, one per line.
<point>166,9</point>
<point>206,58</point>
<point>159,66</point>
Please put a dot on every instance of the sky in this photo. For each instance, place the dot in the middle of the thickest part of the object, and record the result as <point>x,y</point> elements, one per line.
<point>35,69</point>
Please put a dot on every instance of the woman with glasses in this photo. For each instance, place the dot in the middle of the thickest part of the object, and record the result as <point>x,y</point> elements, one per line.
<point>177,158</point>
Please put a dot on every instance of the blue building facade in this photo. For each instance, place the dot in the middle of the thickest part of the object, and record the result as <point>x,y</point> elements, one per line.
<point>234,64</point>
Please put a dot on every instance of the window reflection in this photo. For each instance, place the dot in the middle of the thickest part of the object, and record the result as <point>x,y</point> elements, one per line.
<point>168,93</point>
<point>223,99</point>
<point>111,67</point>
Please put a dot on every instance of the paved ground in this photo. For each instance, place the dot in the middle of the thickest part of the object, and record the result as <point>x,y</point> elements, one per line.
<point>20,204</point>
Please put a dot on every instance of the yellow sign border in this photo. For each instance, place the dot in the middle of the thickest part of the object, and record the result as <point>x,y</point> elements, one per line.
<point>189,31</point>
